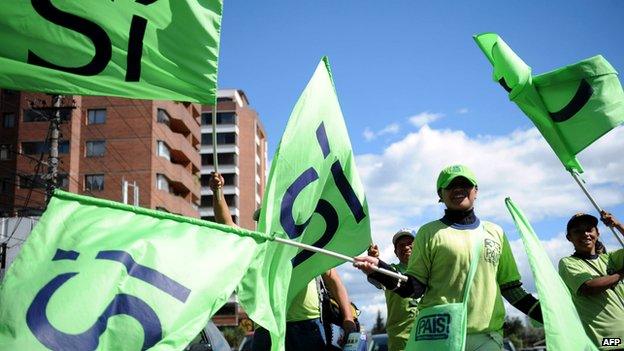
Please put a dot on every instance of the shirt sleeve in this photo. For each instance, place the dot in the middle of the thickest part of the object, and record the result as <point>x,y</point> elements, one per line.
<point>507,268</point>
<point>616,260</point>
<point>574,275</point>
<point>419,265</point>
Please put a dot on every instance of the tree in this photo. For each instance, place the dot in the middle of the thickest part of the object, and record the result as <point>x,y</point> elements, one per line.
<point>380,325</point>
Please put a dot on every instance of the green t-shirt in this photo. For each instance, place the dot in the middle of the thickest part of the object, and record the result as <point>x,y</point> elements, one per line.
<point>401,315</point>
<point>441,259</point>
<point>305,305</point>
<point>602,314</point>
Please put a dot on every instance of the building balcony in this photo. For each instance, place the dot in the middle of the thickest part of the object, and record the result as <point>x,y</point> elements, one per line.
<point>175,204</point>
<point>227,190</point>
<point>225,148</point>
<point>223,169</point>
<point>180,178</point>
<point>221,128</point>
<point>182,120</point>
<point>209,211</point>
<point>182,152</point>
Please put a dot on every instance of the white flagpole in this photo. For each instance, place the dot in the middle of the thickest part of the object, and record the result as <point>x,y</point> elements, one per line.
<point>580,182</point>
<point>396,275</point>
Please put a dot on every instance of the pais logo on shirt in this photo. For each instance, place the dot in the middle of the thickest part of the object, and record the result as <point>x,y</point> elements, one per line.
<point>433,327</point>
<point>492,251</point>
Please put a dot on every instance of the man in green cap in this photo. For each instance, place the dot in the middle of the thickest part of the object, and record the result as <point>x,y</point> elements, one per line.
<point>439,264</point>
<point>402,311</point>
<point>596,280</point>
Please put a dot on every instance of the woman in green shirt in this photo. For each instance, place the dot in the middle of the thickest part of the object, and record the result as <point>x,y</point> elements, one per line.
<point>595,280</point>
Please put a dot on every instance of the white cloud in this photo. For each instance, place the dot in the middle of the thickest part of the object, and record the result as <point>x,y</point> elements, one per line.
<point>424,118</point>
<point>463,111</point>
<point>369,134</point>
<point>400,188</point>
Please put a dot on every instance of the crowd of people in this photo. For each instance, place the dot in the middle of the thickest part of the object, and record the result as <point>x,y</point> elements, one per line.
<point>441,266</point>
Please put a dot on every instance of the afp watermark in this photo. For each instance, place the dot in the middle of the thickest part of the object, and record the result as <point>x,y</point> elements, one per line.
<point>611,341</point>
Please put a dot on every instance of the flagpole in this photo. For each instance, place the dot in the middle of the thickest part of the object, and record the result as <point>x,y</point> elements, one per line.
<point>395,275</point>
<point>579,181</point>
<point>215,156</point>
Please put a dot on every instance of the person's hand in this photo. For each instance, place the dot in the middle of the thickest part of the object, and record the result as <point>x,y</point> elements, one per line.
<point>373,250</point>
<point>608,219</point>
<point>349,327</point>
<point>366,263</point>
<point>216,181</point>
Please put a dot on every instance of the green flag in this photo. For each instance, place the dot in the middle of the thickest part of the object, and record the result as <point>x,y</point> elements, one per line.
<point>562,324</point>
<point>138,49</point>
<point>572,106</point>
<point>96,274</point>
<point>314,196</point>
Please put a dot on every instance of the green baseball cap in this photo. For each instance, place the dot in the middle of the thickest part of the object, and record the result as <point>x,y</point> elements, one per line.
<point>451,172</point>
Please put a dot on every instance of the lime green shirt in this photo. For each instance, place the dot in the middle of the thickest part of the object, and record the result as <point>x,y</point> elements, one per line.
<point>602,314</point>
<point>305,305</point>
<point>441,259</point>
<point>401,315</point>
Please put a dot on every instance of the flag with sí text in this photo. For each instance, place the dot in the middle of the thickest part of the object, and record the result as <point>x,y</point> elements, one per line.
<point>150,49</point>
<point>314,196</point>
<point>100,275</point>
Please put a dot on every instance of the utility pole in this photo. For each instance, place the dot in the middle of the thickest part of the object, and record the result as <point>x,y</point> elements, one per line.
<point>52,114</point>
<point>53,160</point>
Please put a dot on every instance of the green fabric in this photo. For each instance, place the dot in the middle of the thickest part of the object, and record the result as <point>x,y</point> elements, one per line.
<point>491,341</point>
<point>402,313</point>
<point>562,325</point>
<point>202,261</point>
<point>441,257</point>
<point>443,327</point>
<point>602,314</point>
<point>89,39</point>
<point>313,195</point>
<point>547,99</point>
<point>305,304</point>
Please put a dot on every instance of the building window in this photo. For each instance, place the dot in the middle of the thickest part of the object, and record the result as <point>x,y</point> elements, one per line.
<point>38,181</point>
<point>96,148</point>
<point>222,138</point>
<point>230,179</point>
<point>222,118</point>
<point>223,158</point>
<point>5,152</point>
<point>162,183</point>
<point>94,182</point>
<point>5,185</point>
<point>40,115</point>
<point>206,200</point>
<point>96,116</point>
<point>39,147</point>
<point>9,120</point>
<point>163,150</point>
<point>163,117</point>
<point>32,182</point>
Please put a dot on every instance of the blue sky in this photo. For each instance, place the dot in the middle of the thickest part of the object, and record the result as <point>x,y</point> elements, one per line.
<point>394,61</point>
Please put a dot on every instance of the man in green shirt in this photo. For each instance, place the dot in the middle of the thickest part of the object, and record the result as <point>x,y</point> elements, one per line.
<point>402,311</point>
<point>595,281</point>
<point>440,260</point>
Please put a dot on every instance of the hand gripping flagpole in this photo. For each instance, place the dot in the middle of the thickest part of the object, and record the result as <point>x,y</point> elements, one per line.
<point>580,182</point>
<point>395,275</point>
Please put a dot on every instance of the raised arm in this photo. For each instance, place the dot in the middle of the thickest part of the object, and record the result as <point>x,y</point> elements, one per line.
<point>220,206</point>
<point>339,292</point>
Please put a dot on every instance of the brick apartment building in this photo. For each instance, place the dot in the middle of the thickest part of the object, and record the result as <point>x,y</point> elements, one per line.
<point>104,141</point>
<point>242,156</point>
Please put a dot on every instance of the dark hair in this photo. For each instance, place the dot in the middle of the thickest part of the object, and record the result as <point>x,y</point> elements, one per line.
<point>600,248</point>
